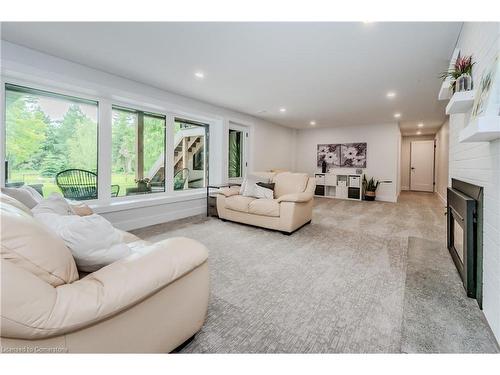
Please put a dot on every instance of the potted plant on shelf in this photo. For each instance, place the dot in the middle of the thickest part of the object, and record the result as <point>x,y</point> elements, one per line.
<point>460,74</point>
<point>143,184</point>
<point>370,188</point>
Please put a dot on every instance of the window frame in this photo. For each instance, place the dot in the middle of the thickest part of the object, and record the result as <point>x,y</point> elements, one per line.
<point>106,96</point>
<point>206,150</point>
<point>144,112</point>
<point>51,91</point>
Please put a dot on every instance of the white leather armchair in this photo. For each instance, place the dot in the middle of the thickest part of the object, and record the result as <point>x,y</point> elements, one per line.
<point>151,301</point>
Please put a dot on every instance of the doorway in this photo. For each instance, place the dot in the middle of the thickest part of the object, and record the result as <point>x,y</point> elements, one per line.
<point>422,166</point>
<point>237,152</point>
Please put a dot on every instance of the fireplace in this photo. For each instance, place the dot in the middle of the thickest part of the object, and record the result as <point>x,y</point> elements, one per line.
<point>464,234</point>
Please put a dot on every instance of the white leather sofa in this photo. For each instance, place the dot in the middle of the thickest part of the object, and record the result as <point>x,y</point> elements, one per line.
<point>151,301</point>
<point>290,209</point>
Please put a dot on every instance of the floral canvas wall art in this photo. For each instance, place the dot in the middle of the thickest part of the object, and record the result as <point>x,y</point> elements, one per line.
<point>347,155</point>
<point>330,154</point>
<point>353,155</point>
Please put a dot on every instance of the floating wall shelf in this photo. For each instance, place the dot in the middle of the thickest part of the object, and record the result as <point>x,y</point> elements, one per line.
<point>483,129</point>
<point>445,92</point>
<point>460,102</point>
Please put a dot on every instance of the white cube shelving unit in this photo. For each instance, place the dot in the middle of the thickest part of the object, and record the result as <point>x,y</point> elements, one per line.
<point>340,186</point>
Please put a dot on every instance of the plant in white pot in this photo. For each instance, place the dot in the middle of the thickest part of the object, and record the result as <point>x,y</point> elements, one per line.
<point>460,74</point>
<point>370,188</point>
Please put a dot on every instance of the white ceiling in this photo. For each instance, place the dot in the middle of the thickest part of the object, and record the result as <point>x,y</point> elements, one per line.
<point>337,73</point>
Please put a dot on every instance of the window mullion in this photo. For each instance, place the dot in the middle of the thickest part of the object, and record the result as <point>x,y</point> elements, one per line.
<point>104,155</point>
<point>169,152</point>
<point>139,170</point>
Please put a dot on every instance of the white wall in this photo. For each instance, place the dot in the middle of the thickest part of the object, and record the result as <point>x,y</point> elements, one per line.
<point>269,143</point>
<point>382,152</point>
<point>406,157</point>
<point>441,161</point>
<point>479,163</point>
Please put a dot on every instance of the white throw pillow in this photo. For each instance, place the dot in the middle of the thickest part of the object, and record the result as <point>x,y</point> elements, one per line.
<point>262,192</point>
<point>55,204</point>
<point>249,185</point>
<point>93,241</point>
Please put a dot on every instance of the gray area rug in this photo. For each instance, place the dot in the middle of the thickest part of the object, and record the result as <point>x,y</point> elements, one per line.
<point>438,317</point>
<point>335,286</point>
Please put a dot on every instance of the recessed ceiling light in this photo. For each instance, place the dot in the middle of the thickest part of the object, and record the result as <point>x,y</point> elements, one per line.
<point>421,125</point>
<point>391,94</point>
<point>282,110</point>
<point>199,75</point>
<point>397,115</point>
<point>419,132</point>
<point>312,123</point>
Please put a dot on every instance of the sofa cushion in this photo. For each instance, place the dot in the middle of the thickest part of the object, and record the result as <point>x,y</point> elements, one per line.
<point>7,199</point>
<point>238,203</point>
<point>23,195</point>
<point>290,183</point>
<point>264,207</point>
<point>269,176</point>
<point>29,245</point>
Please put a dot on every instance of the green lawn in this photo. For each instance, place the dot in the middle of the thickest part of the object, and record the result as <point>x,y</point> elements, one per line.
<point>49,185</point>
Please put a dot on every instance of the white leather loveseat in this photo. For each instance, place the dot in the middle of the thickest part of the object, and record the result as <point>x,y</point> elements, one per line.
<point>290,209</point>
<point>152,301</point>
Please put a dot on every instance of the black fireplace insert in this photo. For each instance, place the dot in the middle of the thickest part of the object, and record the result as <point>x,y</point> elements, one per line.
<point>464,234</point>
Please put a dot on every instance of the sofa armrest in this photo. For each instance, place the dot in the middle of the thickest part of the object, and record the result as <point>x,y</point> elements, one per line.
<point>229,191</point>
<point>296,198</point>
<point>101,294</point>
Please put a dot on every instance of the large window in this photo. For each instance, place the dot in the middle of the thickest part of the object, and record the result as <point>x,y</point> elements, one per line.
<point>190,154</point>
<point>138,152</point>
<point>47,134</point>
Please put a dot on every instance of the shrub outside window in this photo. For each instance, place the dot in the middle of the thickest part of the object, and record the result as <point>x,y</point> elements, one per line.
<point>138,152</point>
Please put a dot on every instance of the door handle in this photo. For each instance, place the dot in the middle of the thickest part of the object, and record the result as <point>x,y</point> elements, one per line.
<point>412,168</point>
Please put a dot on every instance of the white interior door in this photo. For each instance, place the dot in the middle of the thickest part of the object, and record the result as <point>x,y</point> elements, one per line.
<point>422,166</point>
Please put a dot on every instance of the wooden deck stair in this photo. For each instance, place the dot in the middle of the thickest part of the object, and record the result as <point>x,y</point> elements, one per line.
<point>192,145</point>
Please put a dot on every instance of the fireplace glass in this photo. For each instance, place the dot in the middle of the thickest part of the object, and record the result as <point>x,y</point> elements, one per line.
<point>458,240</point>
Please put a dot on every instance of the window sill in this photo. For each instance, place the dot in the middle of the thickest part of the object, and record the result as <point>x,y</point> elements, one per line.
<point>162,198</point>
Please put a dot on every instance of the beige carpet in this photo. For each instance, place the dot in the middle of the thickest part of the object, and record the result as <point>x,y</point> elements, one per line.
<point>335,286</point>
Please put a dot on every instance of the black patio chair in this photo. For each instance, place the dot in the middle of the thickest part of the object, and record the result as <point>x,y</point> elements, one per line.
<point>79,184</point>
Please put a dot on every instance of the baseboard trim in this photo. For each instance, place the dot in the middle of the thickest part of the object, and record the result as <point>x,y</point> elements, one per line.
<point>142,222</point>
<point>405,188</point>
<point>387,198</point>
